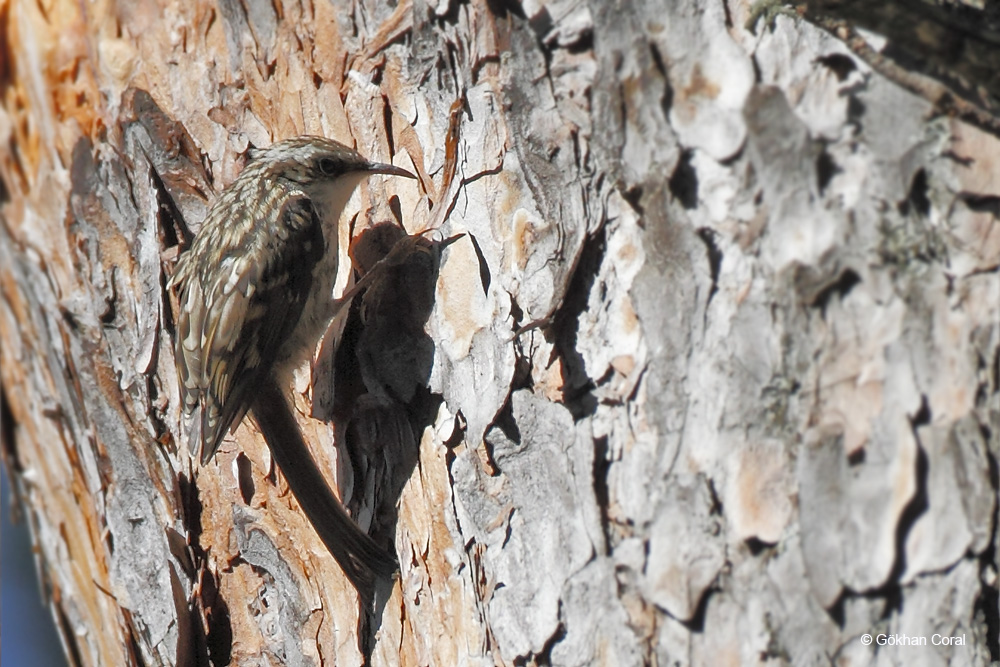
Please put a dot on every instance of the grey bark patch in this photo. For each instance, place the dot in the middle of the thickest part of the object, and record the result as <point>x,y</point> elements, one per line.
<point>686,547</point>
<point>595,620</point>
<point>280,610</point>
<point>547,538</point>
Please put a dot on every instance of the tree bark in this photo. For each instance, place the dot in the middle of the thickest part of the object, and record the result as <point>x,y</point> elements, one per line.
<point>711,376</point>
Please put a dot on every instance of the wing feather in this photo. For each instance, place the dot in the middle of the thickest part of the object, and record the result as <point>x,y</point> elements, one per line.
<point>236,315</point>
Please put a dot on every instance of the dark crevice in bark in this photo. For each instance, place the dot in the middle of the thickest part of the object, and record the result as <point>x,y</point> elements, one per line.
<point>484,267</point>
<point>156,414</point>
<point>7,440</point>
<point>918,504</point>
<point>508,532</point>
<point>544,657</point>
<point>841,287</point>
<point>756,70</point>
<point>110,314</point>
<point>506,423</point>
<point>602,465</point>
<point>578,386</point>
<point>916,198</point>
<point>244,478</point>
<point>7,59</point>
<point>891,592</point>
<point>857,457</point>
<point>217,641</point>
<point>387,121</point>
<point>684,181</point>
<point>996,370</point>
<point>516,312</point>
<point>213,634</point>
<point>71,320</point>
<point>988,603</point>
<point>838,63</point>
<point>717,507</point>
<point>982,203</point>
<point>109,540</point>
<point>173,226</point>
<point>178,546</point>
<point>583,44</point>
<point>190,506</point>
<point>451,17</point>
<point>633,195</point>
<point>522,377</point>
<point>68,636</point>
<point>708,237</point>
<point>890,595</point>
<point>923,414</point>
<point>457,434</point>
<point>4,192</point>
<point>667,99</point>
<point>134,650</point>
<point>758,546</point>
<point>697,621</point>
<point>501,8</point>
<point>826,169</point>
<point>836,610</point>
<point>855,112</point>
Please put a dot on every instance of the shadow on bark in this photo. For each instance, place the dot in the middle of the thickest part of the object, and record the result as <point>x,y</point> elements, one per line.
<point>381,401</point>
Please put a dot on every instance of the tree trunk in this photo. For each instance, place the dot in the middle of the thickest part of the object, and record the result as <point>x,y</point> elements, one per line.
<point>715,367</point>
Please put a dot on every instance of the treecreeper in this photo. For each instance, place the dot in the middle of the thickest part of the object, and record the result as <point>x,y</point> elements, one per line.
<point>255,294</point>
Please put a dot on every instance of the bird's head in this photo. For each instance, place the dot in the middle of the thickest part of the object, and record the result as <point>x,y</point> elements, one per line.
<point>327,170</point>
<point>312,159</point>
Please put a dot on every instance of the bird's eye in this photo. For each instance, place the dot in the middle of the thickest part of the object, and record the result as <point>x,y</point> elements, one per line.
<point>328,166</point>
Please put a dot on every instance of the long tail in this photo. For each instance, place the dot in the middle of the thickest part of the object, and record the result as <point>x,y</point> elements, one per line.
<point>355,552</point>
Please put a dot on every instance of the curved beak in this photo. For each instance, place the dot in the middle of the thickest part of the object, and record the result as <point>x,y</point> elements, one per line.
<point>390,169</point>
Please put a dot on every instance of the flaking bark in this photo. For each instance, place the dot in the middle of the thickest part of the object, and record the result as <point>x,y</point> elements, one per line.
<point>714,370</point>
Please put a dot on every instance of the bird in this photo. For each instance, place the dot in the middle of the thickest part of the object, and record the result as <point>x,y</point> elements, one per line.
<point>255,294</point>
<point>256,284</point>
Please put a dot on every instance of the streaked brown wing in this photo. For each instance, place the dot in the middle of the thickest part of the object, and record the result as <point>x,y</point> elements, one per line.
<point>237,314</point>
